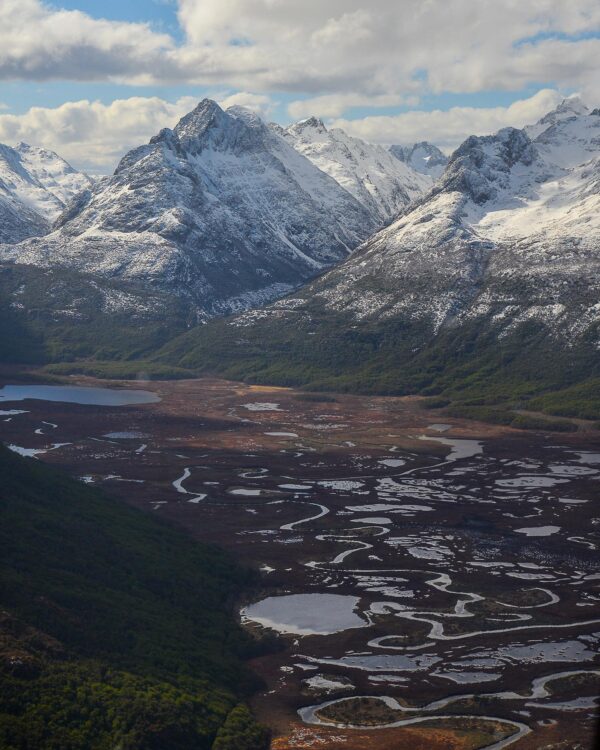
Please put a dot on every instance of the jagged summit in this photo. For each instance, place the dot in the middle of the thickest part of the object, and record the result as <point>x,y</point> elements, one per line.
<point>310,122</point>
<point>571,105</point>
<point>423,157</point>
<point>481,165</point>
<point>383,185</point>
<point>205,116</point>
<point>190,134</point>
<point>568,109</point>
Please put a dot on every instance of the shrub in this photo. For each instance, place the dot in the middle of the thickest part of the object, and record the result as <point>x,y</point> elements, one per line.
<point>241,732</point>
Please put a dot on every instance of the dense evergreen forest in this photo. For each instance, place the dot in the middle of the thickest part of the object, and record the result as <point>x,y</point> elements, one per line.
<point>116,630</point>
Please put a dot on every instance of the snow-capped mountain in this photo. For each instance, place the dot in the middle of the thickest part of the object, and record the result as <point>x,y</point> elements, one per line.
<point>221,210</point>
<point>35,186</point>
<point>511,229</point>
<point>383,184</point>
<point>423,157</point>
<point>566,110</point>
<point>509,235</point>
<point>55,176</point>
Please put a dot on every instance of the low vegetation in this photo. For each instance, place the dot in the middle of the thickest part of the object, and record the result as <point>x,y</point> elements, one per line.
<point>361,712</point>
<point>581,400</point>
<point>317,398</point>
<point>120,370</point>
<point>469,370</point>
<point>475,733</point>
<point>472,733</point>
<point>510,418</point>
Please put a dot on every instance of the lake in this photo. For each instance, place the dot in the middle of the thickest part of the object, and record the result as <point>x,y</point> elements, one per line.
<point>75,394</point>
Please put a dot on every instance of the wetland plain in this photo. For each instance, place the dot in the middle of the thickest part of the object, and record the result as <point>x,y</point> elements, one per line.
<point>434,580</point>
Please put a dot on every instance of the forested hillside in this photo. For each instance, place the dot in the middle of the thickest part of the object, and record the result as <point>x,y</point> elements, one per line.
<point>115,629</point>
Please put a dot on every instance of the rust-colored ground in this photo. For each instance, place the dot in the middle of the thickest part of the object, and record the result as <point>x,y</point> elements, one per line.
<point>406,738</point>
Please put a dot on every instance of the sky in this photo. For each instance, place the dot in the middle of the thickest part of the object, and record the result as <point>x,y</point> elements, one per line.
<point>91,79</point>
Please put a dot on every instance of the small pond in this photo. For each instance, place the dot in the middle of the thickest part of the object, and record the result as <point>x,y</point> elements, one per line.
<point>306,614</point>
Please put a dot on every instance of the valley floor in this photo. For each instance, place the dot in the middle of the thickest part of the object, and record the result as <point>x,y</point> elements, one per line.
<point>447,572</point>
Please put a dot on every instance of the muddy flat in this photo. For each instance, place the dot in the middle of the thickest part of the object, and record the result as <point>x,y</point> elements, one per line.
<point>436,581</point>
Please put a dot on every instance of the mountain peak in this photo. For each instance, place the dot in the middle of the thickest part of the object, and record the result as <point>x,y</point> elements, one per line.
<point>509,145</point>
<point>205,106</point>
<point>44,155</point>
<point>219,211</point>
<point>423,157</point>
<point>569,108</point>
<point>568,111</point>
<point>572,104</point>
<point>367,171</point>
<point>35,186</point>
<point>310,122</point>
<point>481,165</point>
<point>249,116</point>
<point>205,115</point>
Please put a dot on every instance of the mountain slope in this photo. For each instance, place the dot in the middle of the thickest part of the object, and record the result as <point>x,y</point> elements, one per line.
<point>53,315</point>
<point>220,211</point>
<point>423,157</point>
<point>115,629</point>
<point>35,186</point>
<point>497,268</point>
<point>382,183</point>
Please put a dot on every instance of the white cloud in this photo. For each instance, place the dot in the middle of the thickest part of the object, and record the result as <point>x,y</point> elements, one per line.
<point>449,128</point>
<point>39,42</point>
<point>338,47</point>
<point>334,105</point>
<point>347,30</point>
<point>389,47</point>
<point>91,135</point>
<point>260,103</point>
<point>330,55</point>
